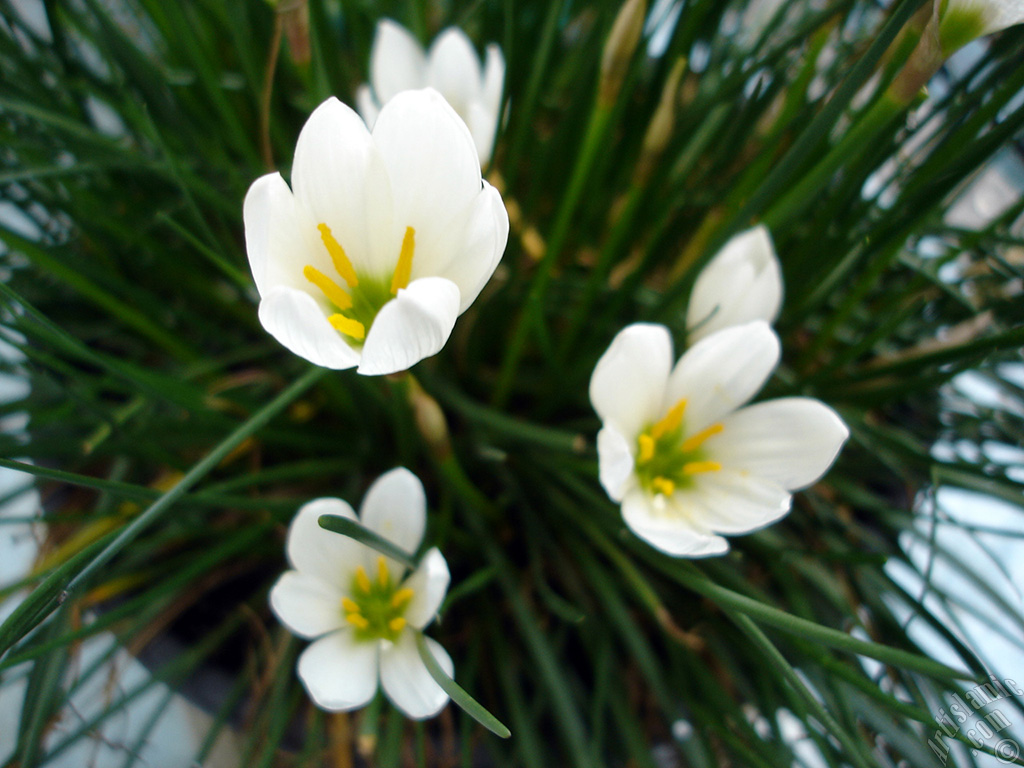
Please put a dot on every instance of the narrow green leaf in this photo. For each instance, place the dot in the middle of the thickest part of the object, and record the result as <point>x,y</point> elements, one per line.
<point>458,695</point>
<point>362,534</point>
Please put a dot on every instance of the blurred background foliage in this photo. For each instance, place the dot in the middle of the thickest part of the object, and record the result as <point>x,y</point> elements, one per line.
<point>172,439</point>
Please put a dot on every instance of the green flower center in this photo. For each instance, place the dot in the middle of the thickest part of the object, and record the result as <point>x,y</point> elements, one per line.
<point>359,305</point>
<point>376,607</point>
<point>665,460</point>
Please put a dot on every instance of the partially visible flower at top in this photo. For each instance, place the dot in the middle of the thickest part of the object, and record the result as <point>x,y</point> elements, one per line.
<point>381,241</point>
<point>742,282</point>
<point>398,63</point>
<point>359,607</point>
<point>686,462</point>
<point>961,21</point>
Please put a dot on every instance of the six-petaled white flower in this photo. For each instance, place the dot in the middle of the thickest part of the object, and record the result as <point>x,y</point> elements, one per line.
<point>398,63</point>
<point>686,462</point>
<point>742,282</point>
<point>359,607</point>
<point>382,240</point>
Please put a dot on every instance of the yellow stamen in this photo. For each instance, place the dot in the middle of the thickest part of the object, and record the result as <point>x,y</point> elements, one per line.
<point>694,442</point>
<point>696,467</point>
<point>350,605</point>
<point>362,580</point>
<point>670,421</point>
<point>397,624</point>
<point>646,449</point>
<point>663,486</point>
<point>357,620</point>
<point>403,270</point>
<point>382,571</point>
<point>331,289</point>
<point>401,597</point>
<point>348,326</point>
<point>338,256</point>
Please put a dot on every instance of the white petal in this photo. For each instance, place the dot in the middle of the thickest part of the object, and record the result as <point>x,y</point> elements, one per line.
<point>667,529</point>
<point>429,584</point>
<point>453,68</point>
<point>482,124</point>
<point>792,441</point>
<point>340,672</point>
<point>627,388</point>
<point>367,105</point>
<point>731,501</point>
<point>471,263</point>
<point>338,176</point>
<point>296,320</point>
<point>413,325</point>
<point>721,372</point>
<point>278,233</point>
<point>397,62</point>
<point>434,170</point>
<point>328,556</point>
<point>306,605</point>
<point>615,462</point>
<point>395,507</point>
<point>743,282</point>
<point>494,80</point>
<point>406,680</point>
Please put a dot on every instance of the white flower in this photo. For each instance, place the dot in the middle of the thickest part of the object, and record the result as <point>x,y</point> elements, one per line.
<point>398,63</point>
<point>684,459</point>
<point>381,241</point>
<point>742,282</point>
<point>961,21</point>
<point>357,605</point>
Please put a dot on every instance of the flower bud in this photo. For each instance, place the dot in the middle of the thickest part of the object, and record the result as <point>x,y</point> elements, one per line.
<point>619,49</point>
<point>741,283</point>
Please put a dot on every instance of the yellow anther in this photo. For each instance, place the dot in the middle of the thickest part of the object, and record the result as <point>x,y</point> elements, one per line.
<point>397,624</point>
<point>403,270</point>
<point>330,289</point>
<point>357,620</point>
<point>362,580</point>
<point>646,443</point>
<point>670,421</point>
<point>694,442</point>
<point>401,597</point>
<point>696,467</point>
<point>338,256</point>
<point>350,605</point>
<point>663,486</point>
<point>348,326</point>
<point>382,571</point>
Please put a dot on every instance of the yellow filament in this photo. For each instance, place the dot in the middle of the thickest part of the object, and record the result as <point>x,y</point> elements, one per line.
<point>670,421</point>
<point>646,448</point>
<point>397,624</point>
<point>401,597</point>
<point>357,620</point>
<point>362,580</point>
<point>348,326</point>
<point>403,270</point>
<point>350,606</point>
<point>663,486</point>
<point>696,467</point>
<point>338,256</point>
<point>382,571</point>
<point>694,442</point>
<point>330,289</point>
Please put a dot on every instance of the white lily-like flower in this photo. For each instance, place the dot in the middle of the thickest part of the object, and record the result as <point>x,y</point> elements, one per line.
<point>682,456</point>
<point>398,63</point>
<point>382,240</point>
<point>359,608</point>
<point>741,283</point>
<point>961,21</point>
